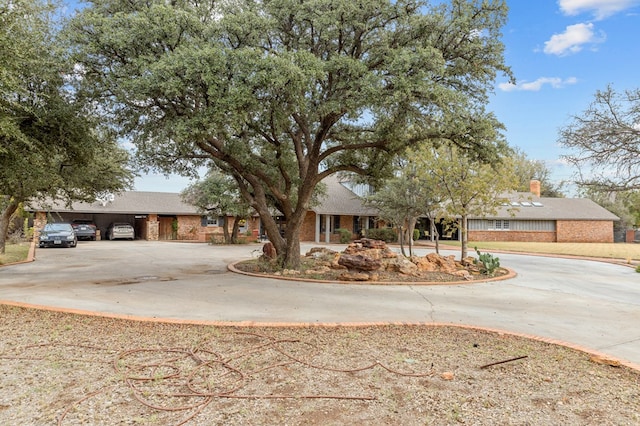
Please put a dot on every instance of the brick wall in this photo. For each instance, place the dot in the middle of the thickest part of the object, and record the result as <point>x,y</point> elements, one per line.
<point>189,228</point>
<point>520,236</point>
<point>584,231</point>
<point>308,229</point>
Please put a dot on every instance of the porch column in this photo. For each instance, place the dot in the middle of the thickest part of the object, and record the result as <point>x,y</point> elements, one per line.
<point>317,233</point>
<point>327,228</point>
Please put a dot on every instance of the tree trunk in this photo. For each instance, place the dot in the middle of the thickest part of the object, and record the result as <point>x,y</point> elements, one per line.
<point>5,218</point>
<point>234,231</point>
<point>463,236</point>
<point>412,226</point>
<point>401,236</point>
<point>225,231</point>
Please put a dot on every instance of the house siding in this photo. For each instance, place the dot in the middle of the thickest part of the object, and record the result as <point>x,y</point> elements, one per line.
<point>584,231</point>
<point>513,236</point>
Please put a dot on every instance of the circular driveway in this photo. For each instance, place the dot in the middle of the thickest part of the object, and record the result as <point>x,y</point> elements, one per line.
<point>584,303</point>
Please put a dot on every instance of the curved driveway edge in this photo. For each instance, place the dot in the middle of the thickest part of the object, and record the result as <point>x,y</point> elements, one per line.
<point>577,303</point>
<point>570,345</point>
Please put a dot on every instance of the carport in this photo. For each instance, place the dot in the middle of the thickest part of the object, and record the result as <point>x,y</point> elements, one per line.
<point>154,215</point>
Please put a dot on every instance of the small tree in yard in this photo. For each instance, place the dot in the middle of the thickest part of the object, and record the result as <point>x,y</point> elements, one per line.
<point>218,194</point>
<point>280,94</point>
<point>468,187</point>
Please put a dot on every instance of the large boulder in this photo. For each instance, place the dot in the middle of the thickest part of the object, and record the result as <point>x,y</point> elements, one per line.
<point>359,262</point>
<point>376,249</point>
<point>401,265</point>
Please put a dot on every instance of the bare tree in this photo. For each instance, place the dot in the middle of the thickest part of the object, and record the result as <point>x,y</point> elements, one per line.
<point>605,141</point>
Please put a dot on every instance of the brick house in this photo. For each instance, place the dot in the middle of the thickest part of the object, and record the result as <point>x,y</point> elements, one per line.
<point>529,217</point>
<point>163,216</point>
<point>154,216</point>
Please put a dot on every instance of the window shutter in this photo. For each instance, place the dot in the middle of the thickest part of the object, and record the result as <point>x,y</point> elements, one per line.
<point>203,221</point>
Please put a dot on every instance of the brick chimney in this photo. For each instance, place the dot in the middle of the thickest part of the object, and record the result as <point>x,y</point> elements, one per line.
<point>534,187</point>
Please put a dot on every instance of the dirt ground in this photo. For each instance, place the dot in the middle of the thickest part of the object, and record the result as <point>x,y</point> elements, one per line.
<point>70,369</point>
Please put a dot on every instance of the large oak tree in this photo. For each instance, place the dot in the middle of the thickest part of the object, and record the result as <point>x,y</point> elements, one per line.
<point>49,147</point>
<point>282,93</point>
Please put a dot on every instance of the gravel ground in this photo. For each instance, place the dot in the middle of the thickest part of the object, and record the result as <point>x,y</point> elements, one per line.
<point>69,369</point>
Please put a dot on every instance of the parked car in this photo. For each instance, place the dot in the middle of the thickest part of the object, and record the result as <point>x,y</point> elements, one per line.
<point>120,230</point>
<point>58,235</point>
<point>85,229</point>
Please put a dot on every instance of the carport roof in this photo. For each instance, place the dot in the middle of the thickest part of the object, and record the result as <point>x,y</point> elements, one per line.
<point>130,202</point>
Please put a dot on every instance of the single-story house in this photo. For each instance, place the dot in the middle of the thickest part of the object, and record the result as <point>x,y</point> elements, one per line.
<point>530,217</point>
<point>154,216</point>
<point>164,216</point>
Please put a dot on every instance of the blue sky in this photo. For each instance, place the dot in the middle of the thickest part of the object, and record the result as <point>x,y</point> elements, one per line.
<point>561,52</point>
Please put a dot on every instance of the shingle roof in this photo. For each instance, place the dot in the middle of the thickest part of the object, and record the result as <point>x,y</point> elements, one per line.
<point>130,202</point>
<point>340,200</point>
<point>553,209</point>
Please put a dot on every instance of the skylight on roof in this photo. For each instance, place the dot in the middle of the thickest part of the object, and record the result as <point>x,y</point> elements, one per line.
<point>526,203</point>
<point>537,204</point>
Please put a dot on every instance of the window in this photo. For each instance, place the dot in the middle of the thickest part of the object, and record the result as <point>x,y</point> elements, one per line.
<point>212,220</point>
<point>500,225</point>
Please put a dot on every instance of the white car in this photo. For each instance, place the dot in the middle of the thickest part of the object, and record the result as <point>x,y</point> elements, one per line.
<point>119,230</point>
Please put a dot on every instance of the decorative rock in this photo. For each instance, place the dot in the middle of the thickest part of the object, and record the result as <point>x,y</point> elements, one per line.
<point>354,276</point>
<point>445,264</point>
<point>359,262</point>
<point>402,265</point>
<point>447,375</point>
<point>320,252</point>
<point>269,250</point>
<point>319,270</point>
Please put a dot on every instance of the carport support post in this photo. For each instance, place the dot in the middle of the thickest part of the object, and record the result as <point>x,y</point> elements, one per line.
<point>317,233</point>
<point>153,227</point>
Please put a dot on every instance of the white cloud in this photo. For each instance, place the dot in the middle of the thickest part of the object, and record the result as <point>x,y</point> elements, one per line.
<point>537,85</point>
<point>600,8</point>
<point>572,40</point>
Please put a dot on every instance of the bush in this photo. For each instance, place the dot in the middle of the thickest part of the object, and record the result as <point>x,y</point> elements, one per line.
<point>416,234</point>
<point>345,235</point>
<point>638,268</point>
<point>387,235</point>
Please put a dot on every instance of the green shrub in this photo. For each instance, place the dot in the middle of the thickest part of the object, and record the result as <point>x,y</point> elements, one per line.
<point>488,261</point>
<point>416,234</point>
<point>638,268</point>
<point>345,235</point>
<point>387,235</point>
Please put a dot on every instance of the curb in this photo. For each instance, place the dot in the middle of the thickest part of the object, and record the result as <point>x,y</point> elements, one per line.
<point>510,274</point>
<point>237,324</point>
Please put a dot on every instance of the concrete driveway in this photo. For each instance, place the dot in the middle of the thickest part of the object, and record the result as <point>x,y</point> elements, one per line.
<point>584,303</point>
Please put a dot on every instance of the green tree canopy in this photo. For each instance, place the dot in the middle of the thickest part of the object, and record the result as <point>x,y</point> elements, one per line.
<point>218,194</point>
<point>527,169</point>
<point>466,186</point>
<point>49,147</point>
<point>282,93</point>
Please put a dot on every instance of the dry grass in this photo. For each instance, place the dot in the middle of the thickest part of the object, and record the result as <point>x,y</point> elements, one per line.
<point>610,251</point>
<point>14,253</point>
<point>65,369</point>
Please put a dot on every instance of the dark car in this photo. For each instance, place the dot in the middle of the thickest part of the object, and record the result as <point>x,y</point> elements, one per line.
<point>85,229</point>
<point>58,235</point>
<point>120,230</point>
